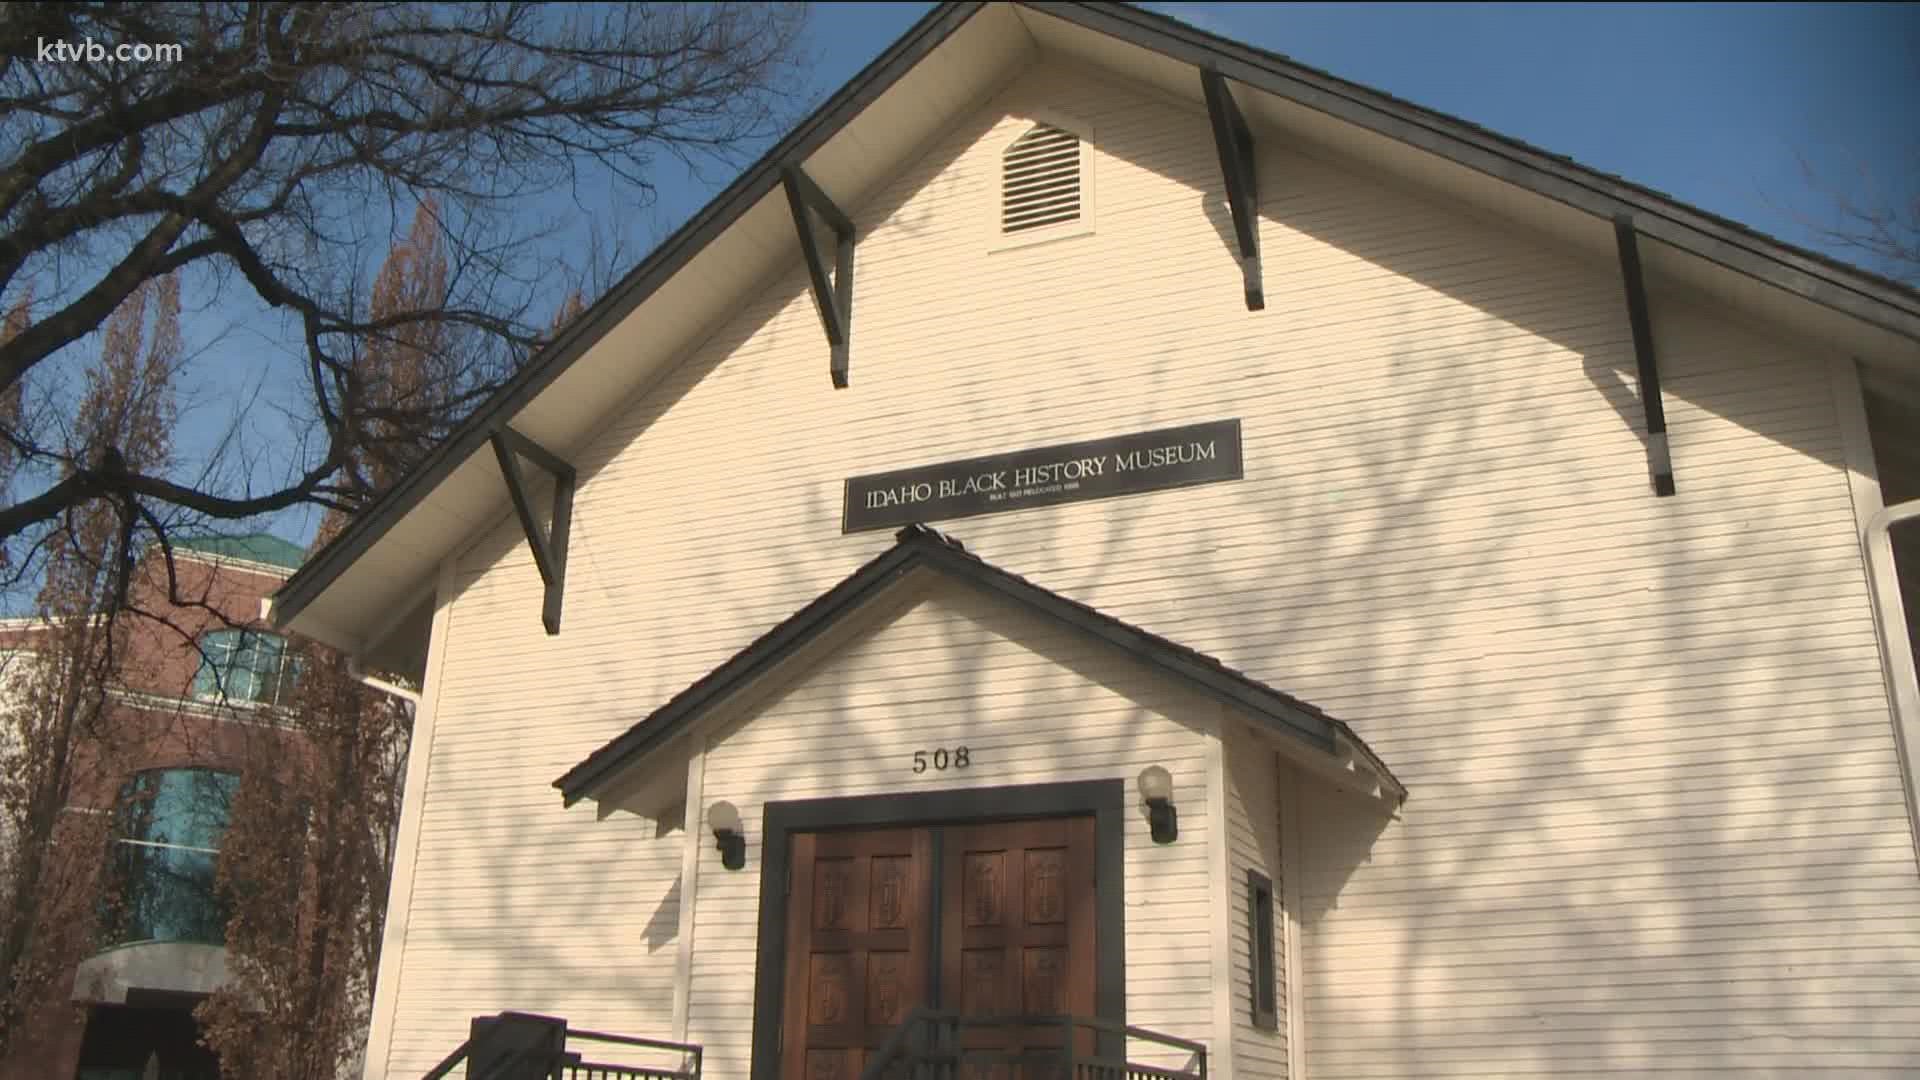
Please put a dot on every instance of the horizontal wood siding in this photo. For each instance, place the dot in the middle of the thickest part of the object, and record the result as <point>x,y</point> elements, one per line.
<point>517,905</point>
<point>1655,813</point>
<point>1253,843</point>
<point>1033,704</point>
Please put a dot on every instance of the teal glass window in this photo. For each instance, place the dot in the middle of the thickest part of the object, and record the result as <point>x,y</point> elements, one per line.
<point>247,666</point>
<point>167,841</point>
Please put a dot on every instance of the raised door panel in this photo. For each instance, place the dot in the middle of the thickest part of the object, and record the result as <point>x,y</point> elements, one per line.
<point>857,946</point>
<point>1018,931</point>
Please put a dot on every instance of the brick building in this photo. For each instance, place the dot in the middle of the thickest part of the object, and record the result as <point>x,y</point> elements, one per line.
<point>140,836</point>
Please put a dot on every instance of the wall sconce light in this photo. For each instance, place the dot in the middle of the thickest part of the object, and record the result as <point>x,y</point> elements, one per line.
<point>1156,791</point>
<point>724,820</point>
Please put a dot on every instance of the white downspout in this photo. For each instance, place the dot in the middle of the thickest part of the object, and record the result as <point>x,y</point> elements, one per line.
<point>1890,619</point>
<point>409,696</point>
<point>353,668</point>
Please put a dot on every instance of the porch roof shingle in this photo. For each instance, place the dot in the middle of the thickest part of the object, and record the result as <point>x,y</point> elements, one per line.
<point>920,547</point>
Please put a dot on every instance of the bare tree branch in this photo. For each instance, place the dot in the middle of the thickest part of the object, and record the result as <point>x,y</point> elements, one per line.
<point>283,143</point>
<point>1880,227</point>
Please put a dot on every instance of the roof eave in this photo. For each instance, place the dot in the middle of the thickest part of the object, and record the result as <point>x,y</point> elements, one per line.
<point>1873,301</point>
<point>1870,297</point>
<point>609,310</point>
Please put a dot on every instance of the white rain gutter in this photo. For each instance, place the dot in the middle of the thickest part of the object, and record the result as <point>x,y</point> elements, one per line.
<point>1896,648</point>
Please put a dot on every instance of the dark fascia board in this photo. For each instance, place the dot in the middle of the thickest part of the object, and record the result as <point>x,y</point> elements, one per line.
<point>603,315</point>
<point>1873,299</point>
<point>660,727</point>
<point>921,547</point>
<point>1278,711</point>
<point>1862,294</point>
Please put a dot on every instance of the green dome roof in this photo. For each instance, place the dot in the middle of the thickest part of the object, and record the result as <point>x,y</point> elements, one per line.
<point>255,547</point>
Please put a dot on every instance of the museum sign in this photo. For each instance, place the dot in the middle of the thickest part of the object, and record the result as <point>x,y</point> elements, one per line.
<point>1119,465</point>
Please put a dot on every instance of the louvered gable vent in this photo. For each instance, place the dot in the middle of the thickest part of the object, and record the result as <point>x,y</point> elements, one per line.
<point>1040,180</point>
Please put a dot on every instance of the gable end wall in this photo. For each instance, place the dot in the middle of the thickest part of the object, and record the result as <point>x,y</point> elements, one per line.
<point>1655,815</point>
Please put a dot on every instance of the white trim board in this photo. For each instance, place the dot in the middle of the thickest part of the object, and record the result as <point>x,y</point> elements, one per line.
<point>1219,861</point>
<point>693,821</point>
<point>393,935</point>
<point>1288,807</point>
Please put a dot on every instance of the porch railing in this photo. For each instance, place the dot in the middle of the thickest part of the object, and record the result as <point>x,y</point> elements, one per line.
<point>936,1045</point>
<point>526,1046</point>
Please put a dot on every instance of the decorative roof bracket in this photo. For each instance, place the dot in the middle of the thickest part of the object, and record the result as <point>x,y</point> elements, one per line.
<point>549,547</point>
<point>834,297</point>
<point>1235,144</point>
<point>1659,455</point>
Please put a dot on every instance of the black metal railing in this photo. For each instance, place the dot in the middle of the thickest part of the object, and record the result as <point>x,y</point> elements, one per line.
<point>526,1046</point>
<point>578,1068</point>
<point>936,1045</point>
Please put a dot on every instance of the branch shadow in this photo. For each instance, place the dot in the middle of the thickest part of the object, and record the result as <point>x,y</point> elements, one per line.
<point>1444,537</point>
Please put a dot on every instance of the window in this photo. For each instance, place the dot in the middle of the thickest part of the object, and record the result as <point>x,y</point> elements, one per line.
<point>166,840</point>
<point>241,665</point>
<point>1040,180</point>
<point>1266,1011</point>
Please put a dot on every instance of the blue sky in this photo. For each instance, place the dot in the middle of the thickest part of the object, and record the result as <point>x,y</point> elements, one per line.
<point>1715,104</point>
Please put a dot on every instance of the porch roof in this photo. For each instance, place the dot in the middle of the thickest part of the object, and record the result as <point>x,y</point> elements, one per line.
<point>1329,744</point>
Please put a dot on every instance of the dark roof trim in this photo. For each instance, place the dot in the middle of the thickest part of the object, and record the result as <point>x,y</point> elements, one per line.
<point>922,547</point>
<point>1860,293</point>
<point>607,312</point>
<point>1866,296</point>
<point>775,645</point>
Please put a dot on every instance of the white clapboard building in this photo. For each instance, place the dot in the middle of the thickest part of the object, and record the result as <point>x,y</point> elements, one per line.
<point>1109,553</point>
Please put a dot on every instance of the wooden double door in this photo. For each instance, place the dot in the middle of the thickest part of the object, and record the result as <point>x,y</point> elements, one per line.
<point>987,920</point>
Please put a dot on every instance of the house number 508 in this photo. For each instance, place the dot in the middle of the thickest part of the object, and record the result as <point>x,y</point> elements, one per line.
<point>942,759</point>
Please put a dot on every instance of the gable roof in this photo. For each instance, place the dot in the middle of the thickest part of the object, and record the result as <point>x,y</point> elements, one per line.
<point>921,548</point>
<point>1738,263</point>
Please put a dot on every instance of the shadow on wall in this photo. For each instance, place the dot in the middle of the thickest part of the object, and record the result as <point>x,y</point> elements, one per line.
<point>663,926</point>
<point>1445,537</point>
<point>1336,836</point>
